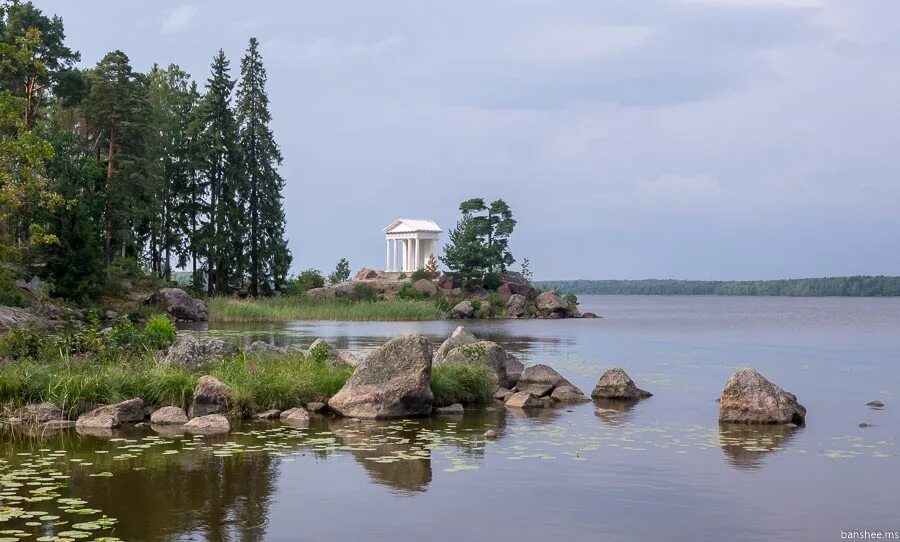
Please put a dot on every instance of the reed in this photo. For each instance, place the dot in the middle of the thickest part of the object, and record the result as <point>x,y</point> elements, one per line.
<point>282,309</point>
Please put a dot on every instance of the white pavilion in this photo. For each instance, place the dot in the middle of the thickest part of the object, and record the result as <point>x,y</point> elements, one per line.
<point>410,242</point>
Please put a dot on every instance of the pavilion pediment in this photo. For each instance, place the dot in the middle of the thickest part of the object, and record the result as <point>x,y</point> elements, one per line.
<point>412,225</point>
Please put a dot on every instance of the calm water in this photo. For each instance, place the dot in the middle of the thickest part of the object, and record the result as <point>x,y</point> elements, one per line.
<point>664,470</point>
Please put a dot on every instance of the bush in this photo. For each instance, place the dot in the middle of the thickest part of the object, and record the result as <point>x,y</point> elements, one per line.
<point>464,383</point>
<point>9,292</point>
<point>159,332</point>
<point>407,291</point>
<point>363,292</point>
<point>302,283</point>
<point>572,300</point>
<point>22,343</point>
<point>123,334</point>
<point>420,274</point>
<point>491,281</point>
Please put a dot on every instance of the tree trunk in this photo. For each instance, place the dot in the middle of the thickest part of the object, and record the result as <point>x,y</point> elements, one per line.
<point>107,214</point>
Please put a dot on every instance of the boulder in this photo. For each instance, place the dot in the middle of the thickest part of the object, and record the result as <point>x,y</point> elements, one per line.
<point>491,434</point>
<point>13,317</point>
<point>208,425</point>
<point>875,404</point>
<point>193,351</point>
<point>295,416</point>
<point>749,398</point>
<point>567,393</point>
<point>110,315</point>
<point>588,315</point>
<point>35,286</point>
<point>504,292</point>
<point>540,380</point>
<point>348,359</point>
<point>112,416</point>
<point>551,303</point>
<point>368,274</point>
<point>269,415</point>
<point>516,306</point>
<point>487,353</point>
<point>262,347</point>
<point>39,413</point>
<point>502,394</point>
<point>323,351</point>
<point>425,287</point>
<point>456,409</point>
<point>517,283</point>
<point>524,399</point>
<point>169,415</point>
<point>547,401</point>
<point>463,309</point>
<point>393,382</point>
<point>320,293</point>
<point>211,396</point>
<point>459,337</point>
<point>616,384</point>
<point>316,408</point>
<point>179,304</point>
<point>446,282</point>
<point>514,369</point>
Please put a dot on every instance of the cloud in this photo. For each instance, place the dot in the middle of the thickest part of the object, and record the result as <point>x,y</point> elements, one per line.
<point>179,19</point>
<point>326,50</point>
<point>579,42</point>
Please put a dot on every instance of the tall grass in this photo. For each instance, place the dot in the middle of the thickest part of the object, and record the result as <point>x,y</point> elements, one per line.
<point>281,309</point>
<point>461,383</point>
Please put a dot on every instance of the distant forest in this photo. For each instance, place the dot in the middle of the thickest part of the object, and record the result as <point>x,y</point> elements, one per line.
<point>859,286</point>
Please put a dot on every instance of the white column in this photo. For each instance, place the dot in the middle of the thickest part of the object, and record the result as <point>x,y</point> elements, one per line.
<point>396,255</point>
<point>387,263</point>
<point>418,262</point>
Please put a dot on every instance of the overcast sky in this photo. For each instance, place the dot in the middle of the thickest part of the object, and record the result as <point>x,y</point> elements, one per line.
<point>706,139</point>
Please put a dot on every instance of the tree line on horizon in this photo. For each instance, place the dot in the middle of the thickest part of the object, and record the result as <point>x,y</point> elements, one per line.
<point>855,286</point>
<point>107,169</point>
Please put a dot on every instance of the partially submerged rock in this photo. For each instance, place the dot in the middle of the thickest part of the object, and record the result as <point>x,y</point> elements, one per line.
<point>491,434</point>
<point>459,337</point>
<point>193,351</point>
<point>540,380</point>
<point>112,416</point>
<point>875,404</point>
<point>524,399</point>
<point>550,302</point>
<point>208,425</point>
<point>463,309</point>
<point>567,393</point>
<point>615,384</point>
<point>393,382</point>
<point>316,407</point>
<point>39,413</point>
<point>487,353</point>
<point>269,415</point>
<point>514,369</point>
<point>211,396</point>
<point>456,409</point>
<point>169,415</point>
<point>179,304</point>
<point>749,398</point>
<point>502,394</point>
<point>295,416</point>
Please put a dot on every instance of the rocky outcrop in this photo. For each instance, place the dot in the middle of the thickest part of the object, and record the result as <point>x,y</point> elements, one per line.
<point>348,359</point>
<point>459,337</point>
<point>524,399</point>
<point>487,353</point>
<point>112,416</point>
<point>516,306</point>
<point>35,286</point>
<point>209,424</point>
<point>180,305</point>
<point>463,309</point>
<point>262,347</point>
<point>517,283</point>
<point>13,317</point>
<point>211,396</point>
<point>38,413</point>
<point>368,274</point>
<point>316,408</point>
<point>295,416</point>
<point>617,385</point>
<point>540,380</point>
<point>549,303</point>
<point>269,415</point>
<point>425,287</point>
<point>502,394</point>
<point>169,415</point>
<point>393,382</point>
<point>193,351</point>
<point>514,369</point>
<point>567,393</point>
<point>749,398</point>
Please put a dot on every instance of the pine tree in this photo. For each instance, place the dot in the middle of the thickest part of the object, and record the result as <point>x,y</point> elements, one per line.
<point>221,167</point>
<point>431,266</point>
<point>341,272</point>
<point>264,185</point>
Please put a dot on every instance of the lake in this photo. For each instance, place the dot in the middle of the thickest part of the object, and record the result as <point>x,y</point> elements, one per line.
<point>662,470</point>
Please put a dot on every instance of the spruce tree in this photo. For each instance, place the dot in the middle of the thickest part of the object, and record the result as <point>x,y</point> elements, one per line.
<point>266,248</point>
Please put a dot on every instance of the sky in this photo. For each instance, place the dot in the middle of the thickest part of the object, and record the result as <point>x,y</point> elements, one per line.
<point>697,139</point>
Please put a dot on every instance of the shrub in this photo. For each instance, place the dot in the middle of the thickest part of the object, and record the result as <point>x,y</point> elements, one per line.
<point>476,304</point>
<point>420,274</point>
<point>363,292</point>
<point>9,292</point>
<point>491,281</point>
<point>123,334</point>
<point>302,283</point>
<point>407,291</point>
<point>159,332</point>
<point>572,300</point>
<point>22,343</point>
<point>464,383</point>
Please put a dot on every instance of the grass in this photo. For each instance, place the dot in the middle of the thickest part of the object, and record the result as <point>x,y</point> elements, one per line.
<point>464,383</point>
<point>282,309</point>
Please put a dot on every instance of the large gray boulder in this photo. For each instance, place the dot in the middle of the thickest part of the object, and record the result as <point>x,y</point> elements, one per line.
<point>13,317</point>
<point>514,369</point>
<point>169,415</point>
<point>180,304</point>
<point>540,380</point>
<point>617,385</point>
<point>210,424</point>
<point>211,396</point>
<point>295,416</point>
<point>567,393</point>
<point>516,306</point>
<point>551,303</point>
<point>749,398</point>
<point>393,382</point>
<point>463,309</point>
<point>262,347</point>
<point>193,351</point>
<point>459,337</point>
<point>368,274</point>
<point>112,416</point>
<point>524,399</point>
<point>425,287</point>
<point>487,353</point>
<point>39,413</point>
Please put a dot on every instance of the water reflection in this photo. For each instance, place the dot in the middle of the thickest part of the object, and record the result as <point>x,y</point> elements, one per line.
<point>615,413</point>
<point>746,446</point>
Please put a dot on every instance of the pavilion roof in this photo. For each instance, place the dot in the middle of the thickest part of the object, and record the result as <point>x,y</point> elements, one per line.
<point>412,225</point>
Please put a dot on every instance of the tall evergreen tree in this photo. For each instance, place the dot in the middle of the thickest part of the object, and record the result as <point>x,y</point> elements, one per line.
<point>261,158</point>
<point>220,164</point>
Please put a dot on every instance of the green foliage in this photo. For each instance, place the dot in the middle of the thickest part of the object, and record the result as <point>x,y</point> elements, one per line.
<point>526,269</point>
<point>491,281</point>
<point>420,274</point>
<point>476,304</point>
<point>302,283</point>
<point>22,343</point>
<point>407,291</point>
<point>159,332</point>
<point>479,243</point>
<point>464,383</point>
<point>9,292</point>
<point>496,305</point>
<point>341,272</point>
<point>363,292</point>
<point>283,309</point>
<point>857,286</point>
<point>571,299</point>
